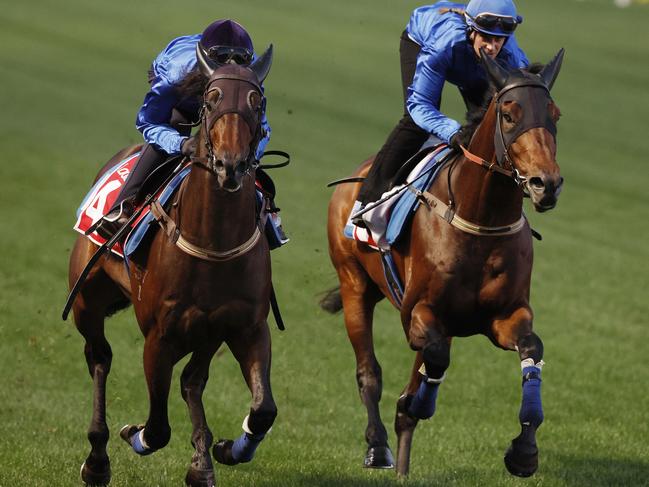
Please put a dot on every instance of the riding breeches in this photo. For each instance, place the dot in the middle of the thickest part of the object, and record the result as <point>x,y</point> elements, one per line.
<point>405,139</point>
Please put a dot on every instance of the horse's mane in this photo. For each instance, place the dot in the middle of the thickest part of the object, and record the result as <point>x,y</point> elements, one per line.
<point>192,85</point>
<point>474,117</point>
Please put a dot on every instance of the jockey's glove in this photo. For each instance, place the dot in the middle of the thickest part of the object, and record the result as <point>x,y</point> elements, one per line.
<point>188,147</point>
<point>456,140</point>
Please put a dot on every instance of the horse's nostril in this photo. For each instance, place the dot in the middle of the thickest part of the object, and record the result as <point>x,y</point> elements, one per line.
<point>537,182</point>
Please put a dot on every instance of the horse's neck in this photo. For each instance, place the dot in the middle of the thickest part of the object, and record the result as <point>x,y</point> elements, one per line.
<point>214,218</point>
<point>485,197</point>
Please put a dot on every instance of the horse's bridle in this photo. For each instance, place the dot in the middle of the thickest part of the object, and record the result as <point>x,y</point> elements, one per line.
<point>502,141</point>
<point>247,103</point>
<point>532,118</point>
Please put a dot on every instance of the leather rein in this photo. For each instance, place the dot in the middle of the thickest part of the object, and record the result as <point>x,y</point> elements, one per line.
<point>210,113</point>
<point>448,212</point>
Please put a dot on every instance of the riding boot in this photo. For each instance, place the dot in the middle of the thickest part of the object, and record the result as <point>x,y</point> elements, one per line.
<point>274,230</point>
<point>125,203</point>
<point>116,218</point>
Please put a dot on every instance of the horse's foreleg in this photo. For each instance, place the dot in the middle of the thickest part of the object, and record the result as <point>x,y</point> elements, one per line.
<point>96,469</point>
<point>192,384</point>
<point>159,359</point>
<point>358,309</point>
<point>420,396</point>
<point>252,351</point>
<point>521,458</point>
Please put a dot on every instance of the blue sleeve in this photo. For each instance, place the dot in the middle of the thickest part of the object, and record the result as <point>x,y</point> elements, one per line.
<point>518,59</point>
<point>265,130</point>
<point>154,116</point>
<point>425,95</point>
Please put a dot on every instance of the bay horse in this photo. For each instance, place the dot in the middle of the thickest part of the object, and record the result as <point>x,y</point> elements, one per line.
<point>205,280</point>
<point>466,264</point>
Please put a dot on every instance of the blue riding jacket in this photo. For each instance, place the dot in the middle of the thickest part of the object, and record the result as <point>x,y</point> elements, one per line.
<point>169,69</point>
<point>447,55</point>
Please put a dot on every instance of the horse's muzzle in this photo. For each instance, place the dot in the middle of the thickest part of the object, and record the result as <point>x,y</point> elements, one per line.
<point>544,191</point>
<point>228,176</point>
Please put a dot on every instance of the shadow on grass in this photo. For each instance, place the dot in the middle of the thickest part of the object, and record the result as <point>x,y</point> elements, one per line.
<point>596,471</point>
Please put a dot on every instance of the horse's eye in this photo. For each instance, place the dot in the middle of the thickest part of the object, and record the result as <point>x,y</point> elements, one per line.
<point>508,118</point>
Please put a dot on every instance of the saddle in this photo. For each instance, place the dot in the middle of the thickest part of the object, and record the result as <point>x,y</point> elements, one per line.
<point>390,220</point>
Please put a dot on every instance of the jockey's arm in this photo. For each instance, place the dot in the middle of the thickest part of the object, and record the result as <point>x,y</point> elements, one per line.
<point>154,116</point>
<point>425,94</point>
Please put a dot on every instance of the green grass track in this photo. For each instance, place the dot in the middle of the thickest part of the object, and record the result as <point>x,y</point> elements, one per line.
<point>72,76</point>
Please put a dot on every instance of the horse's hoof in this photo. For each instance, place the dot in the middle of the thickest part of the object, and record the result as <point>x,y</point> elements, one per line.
<point>379,457</point>
<point>222,452</point>
<point>92,478</point>
<point>522,459</point>
<point>200,478</point>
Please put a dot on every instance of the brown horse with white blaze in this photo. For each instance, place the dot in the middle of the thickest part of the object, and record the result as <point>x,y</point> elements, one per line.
<point>203,281</point>
<point>466,264</point>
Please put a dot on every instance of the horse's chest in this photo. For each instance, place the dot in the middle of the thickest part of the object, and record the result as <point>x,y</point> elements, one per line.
<point>476,283</point>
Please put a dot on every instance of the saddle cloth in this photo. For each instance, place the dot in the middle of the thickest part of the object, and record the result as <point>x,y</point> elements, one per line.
<point>390,220</point>
<point>104,192</point>
<point>102,196</point>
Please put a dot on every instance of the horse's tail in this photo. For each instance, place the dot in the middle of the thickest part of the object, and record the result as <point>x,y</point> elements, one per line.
<point>332,301</point>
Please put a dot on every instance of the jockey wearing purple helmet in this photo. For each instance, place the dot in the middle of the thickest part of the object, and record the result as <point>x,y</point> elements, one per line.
<point>173,102</point>
<point>442,43</point>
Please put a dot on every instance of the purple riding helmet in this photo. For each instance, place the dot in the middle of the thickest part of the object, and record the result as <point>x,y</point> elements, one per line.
<point>227,42</point>
<point>492,17</point>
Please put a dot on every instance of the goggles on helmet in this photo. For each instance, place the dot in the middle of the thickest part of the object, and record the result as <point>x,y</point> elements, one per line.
<point>489,22</point>
<point>229,55</point>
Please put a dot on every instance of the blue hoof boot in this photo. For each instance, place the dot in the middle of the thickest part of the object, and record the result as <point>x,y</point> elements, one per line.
<point>423,403</point>
<point>134,436</point>
<point>379,457</point>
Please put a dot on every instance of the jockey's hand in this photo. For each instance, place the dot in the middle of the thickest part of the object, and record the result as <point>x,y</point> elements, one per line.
<point>456,140</point>
<point>189,147</point>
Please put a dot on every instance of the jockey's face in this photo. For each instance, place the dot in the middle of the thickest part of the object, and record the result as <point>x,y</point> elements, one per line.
<point>491,44</point>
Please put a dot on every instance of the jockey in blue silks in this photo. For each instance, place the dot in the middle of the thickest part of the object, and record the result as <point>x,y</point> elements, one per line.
<point>173,103</point>
<point>442,43</point>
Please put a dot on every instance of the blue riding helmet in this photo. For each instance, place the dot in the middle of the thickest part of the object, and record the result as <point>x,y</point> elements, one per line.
<point>492,17</point>
<point>226,41</point>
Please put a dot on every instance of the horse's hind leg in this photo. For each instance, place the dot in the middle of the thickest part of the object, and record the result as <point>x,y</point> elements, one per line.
<point>96,469</point>
<point>359,300</point>
<point>192,384</point>
<point>252,351</point>
<point>515,333</point>
<point>97,297</point>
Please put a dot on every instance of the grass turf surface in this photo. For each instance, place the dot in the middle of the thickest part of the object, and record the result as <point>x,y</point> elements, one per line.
<point>73,76</point>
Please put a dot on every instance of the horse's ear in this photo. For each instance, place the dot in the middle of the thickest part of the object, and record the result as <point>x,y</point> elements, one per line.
<point>495,71</point>
<point>551,70</point>
<point>261,65</point>
<point>205,63</point>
